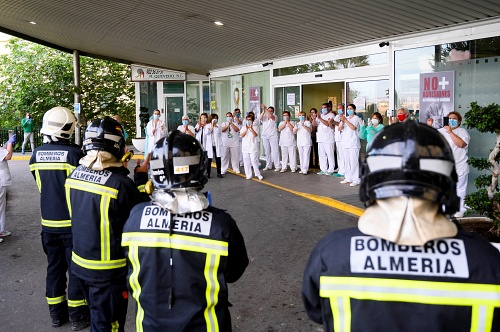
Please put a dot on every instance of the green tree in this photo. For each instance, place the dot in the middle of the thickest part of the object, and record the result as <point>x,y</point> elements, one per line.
<point>35,78</point>
<point>486,200</point>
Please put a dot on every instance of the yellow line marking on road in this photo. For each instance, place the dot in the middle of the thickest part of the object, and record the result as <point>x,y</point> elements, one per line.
<point>333,203</point>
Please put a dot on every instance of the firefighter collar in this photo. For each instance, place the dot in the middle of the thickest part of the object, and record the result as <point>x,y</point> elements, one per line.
<point>99,160</point>
<point>406,221</point>
<point>182,200</point>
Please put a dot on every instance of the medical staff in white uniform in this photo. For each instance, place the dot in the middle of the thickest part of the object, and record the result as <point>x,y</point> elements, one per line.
<point>339,125</point>
<point>326,140</point>
<point>185,127</point>
<point>270,138</point>
<point>459,139</point>
<point>351,146</point>
<point>230,135</point>
<point>287,143</point>
<point>303,130</point>
<point>249,146</point>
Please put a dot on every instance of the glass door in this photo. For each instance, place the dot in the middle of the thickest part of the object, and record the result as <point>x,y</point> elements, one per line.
<point>175,110</point>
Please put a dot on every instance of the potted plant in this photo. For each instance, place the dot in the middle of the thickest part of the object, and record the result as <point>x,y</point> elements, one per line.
<point>486,200</point>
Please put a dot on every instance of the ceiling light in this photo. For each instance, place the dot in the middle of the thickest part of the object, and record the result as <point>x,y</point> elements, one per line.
<point>218,23</point>
<point>32,22</point>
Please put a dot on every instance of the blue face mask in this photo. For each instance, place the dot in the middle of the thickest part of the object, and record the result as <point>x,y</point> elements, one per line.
<point>185,122</point>
<point>350,112</point>
<point>156,116</point>
<point>249,122</point>
<point>238,115</point>
<point>340,112</point>
<point>228,119</point>
<point>324,110</point>
<point>453,123</point>
<point>302,118</point>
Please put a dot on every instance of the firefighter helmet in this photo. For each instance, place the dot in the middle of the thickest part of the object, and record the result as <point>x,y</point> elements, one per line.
<point>59,122</point>
<point>410,159</point>
<point>178,161</point>
<point>105,134</point>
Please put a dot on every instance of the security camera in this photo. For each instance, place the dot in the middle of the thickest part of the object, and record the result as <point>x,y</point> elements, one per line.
<point>383,44</point>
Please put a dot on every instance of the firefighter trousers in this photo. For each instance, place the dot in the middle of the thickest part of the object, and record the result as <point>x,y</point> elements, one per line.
<point>58,247</point>
<point>107,302</point>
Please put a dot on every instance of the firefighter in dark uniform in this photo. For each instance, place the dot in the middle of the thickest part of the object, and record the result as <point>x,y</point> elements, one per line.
<point>406,267</point>
<point>181,252</point>
<point>50,165</point>
<point>101,196</point>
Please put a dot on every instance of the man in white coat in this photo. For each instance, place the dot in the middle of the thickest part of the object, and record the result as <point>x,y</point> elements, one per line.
<point>185,127</point>
<point>155,129</point>
<point>214,144</point>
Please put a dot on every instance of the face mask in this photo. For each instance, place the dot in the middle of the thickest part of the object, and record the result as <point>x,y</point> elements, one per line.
<point>156,116</point>
<point>203,120</point>
<point>249,122</point>
<point>238,115</point>
<point>375,122</point>
<point>323,111</point>
<point>185,122</point>
<point>285,117</point>
<point>453,123</point>
<point>302,118</point>
<point>341,112</point>
<point>401,117</point>
<point>350,112</point>
<point>214,120</point>
<point>228,119</point>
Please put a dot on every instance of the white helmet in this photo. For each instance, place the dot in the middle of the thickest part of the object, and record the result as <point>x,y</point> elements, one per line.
<point>59,122</point>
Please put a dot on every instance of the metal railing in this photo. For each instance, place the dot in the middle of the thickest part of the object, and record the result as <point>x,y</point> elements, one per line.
<point>6,133</point>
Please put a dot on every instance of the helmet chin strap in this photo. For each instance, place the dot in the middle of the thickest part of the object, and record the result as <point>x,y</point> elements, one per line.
<point>182,200</point>
<point>406,221</point>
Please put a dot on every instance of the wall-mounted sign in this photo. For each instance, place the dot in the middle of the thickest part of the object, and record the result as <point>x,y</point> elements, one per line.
<point>255,99</point>
<point>142,73</point>
<point>437,97</point>
<point>236,92</point>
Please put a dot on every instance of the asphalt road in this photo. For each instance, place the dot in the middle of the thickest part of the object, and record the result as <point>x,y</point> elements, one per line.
<point>280,230</point>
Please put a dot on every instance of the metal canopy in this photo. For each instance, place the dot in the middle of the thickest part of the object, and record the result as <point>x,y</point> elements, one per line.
<point>181,35</point>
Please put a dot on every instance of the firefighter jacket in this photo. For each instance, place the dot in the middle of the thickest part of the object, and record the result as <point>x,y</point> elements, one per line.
<point>99,204</point>
<point>178,277</point>
<point>50,165</point>
<point>355,282</point>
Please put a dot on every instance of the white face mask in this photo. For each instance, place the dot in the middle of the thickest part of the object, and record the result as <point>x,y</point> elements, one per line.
<point>375,122</point>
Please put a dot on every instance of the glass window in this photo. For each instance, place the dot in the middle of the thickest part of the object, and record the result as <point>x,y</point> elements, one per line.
<point>148,96</point>
<point>193,101</point>
<point>222,97</point>
<point>287,99</point>
<point>369,97</point>
<point>173,87</point>
<point>358,61</point>
<point>206,97</point>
